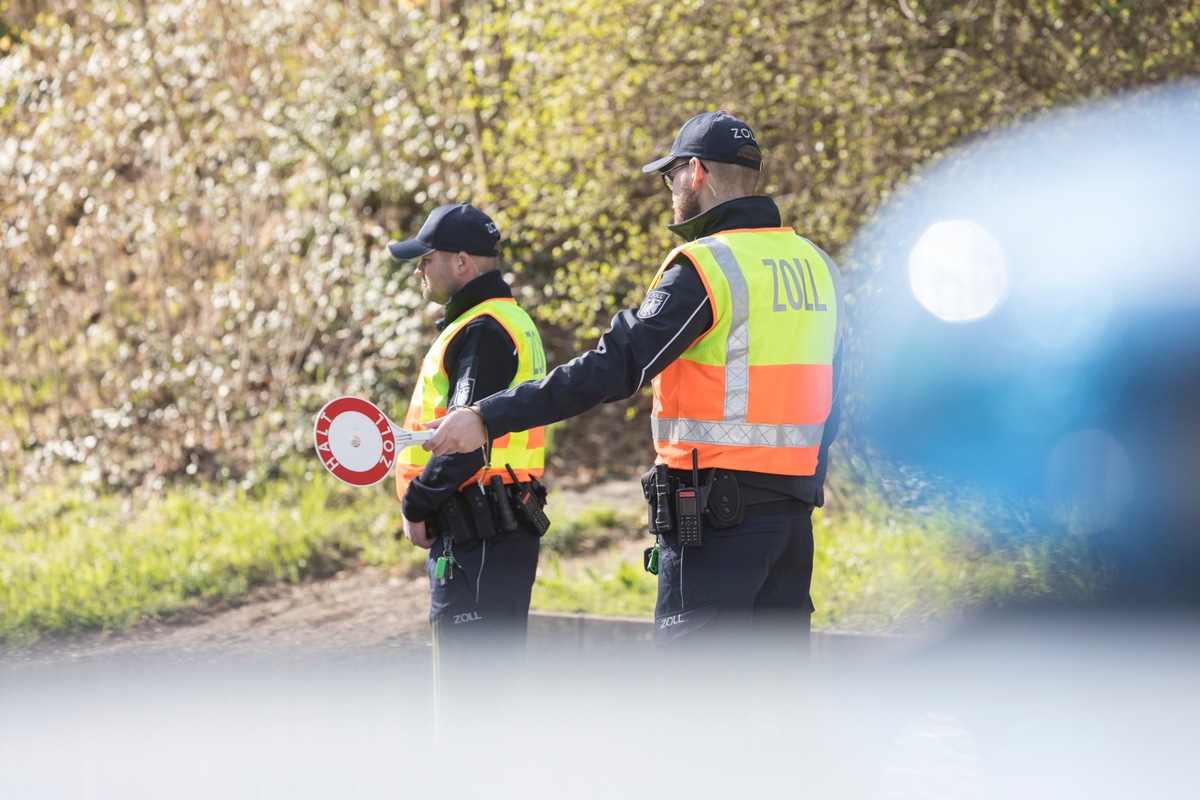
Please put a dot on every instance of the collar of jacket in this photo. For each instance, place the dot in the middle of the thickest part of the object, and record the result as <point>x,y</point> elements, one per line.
<point>488,286</point>
<point>755,211</point>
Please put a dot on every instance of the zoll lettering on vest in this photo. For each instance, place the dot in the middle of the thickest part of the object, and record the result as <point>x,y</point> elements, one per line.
<point>357,443</point>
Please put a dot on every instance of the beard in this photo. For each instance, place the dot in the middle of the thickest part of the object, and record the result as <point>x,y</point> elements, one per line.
<point>434,294</point>
<point>686,204</point>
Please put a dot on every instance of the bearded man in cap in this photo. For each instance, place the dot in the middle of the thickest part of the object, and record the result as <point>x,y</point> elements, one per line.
<point>740,332</point>
<point>482,555</point>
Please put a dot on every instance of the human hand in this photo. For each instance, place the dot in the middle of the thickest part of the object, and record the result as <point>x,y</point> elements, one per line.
<point>460,431</point>
<point>417,534</point>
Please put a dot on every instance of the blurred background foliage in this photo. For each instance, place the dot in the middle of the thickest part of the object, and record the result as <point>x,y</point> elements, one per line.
<point>196,196</point>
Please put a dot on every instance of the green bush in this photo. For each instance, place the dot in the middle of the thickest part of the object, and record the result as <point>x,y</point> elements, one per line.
<point>197,195</point>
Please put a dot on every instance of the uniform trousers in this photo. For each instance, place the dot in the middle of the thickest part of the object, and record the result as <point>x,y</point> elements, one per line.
<point>485,597</point>
<point>749,583</point>
<point>480,612</point>
<point>479,616</point>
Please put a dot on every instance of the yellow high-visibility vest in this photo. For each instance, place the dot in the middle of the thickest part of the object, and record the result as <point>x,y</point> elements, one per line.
<point>525,451</point>
<point>754,391</point>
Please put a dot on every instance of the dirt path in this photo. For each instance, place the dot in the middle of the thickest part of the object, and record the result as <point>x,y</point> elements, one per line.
<point>355,611</point>
<point>358,612</point>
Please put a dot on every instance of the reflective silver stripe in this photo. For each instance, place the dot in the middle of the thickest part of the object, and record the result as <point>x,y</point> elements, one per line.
<point>737,343</point>
<point>735,434</point>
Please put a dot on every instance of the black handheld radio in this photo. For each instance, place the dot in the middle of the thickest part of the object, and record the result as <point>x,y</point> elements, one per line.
<point>530,502</point>
<point>687,508</point>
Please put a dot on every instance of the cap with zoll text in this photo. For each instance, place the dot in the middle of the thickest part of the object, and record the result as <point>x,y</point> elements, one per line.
<point>455,228</point>
<point>712,136</point>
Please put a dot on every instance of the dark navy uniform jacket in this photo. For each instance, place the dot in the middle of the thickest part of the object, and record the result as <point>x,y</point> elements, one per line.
<point>636,348</point>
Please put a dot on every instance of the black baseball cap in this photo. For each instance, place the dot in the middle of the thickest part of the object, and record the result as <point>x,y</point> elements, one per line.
<point>455,228</point>
<point>712,136</point>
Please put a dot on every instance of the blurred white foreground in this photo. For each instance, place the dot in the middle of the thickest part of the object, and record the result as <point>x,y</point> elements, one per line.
<point>1069,706</point>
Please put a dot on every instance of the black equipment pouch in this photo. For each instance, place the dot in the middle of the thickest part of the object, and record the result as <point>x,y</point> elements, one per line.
<point>648,493</point>
<point>726,506</point>
<point>663,499</point>
<point>504,504</point>
<point>452,519</point>
<point>658,487</point>
<point>431,528</point>
<point>480,511</point>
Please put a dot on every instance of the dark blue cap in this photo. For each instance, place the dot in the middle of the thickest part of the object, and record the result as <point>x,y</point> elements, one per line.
<point>456,228</point>
<point>712,136</point>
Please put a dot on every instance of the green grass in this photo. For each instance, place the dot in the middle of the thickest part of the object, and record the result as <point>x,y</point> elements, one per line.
<point>876,573</point>
<point>878,568</point>
<point>588,528</point>
<point>71,563</point>
<point>616,588</point>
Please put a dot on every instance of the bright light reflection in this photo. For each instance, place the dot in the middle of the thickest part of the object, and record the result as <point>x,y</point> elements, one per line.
<point>957,271</point>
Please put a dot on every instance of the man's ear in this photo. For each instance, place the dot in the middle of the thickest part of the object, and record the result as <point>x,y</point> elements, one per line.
<point>468,265</point>
<point>699,174</point>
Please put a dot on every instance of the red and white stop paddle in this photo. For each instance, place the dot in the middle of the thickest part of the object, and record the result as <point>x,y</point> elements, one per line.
<point>357,442</point>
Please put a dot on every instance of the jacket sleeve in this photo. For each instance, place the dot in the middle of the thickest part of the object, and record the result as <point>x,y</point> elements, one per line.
<point>481,360</point>
<point>832,423</point>
<point>640,344</point>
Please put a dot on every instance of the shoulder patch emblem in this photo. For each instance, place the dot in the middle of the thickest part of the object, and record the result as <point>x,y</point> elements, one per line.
<point>653,304</point>
<point>463,392</point>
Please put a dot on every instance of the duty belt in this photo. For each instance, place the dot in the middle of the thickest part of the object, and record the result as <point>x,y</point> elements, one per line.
<point>478,514</point>
<point>725,501</point>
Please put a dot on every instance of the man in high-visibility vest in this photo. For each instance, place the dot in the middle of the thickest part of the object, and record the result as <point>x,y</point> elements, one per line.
<point>482,556</point>
<point>740,332</point>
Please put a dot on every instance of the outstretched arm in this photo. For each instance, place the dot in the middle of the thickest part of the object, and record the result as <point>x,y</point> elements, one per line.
<point>639,345</point>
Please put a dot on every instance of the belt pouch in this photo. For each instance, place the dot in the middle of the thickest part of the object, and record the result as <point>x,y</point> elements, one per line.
<point>452,519</point>
<point>659,488</point>
<point>480,511</point>
<point>648,493</point>
<point>726,506</point>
